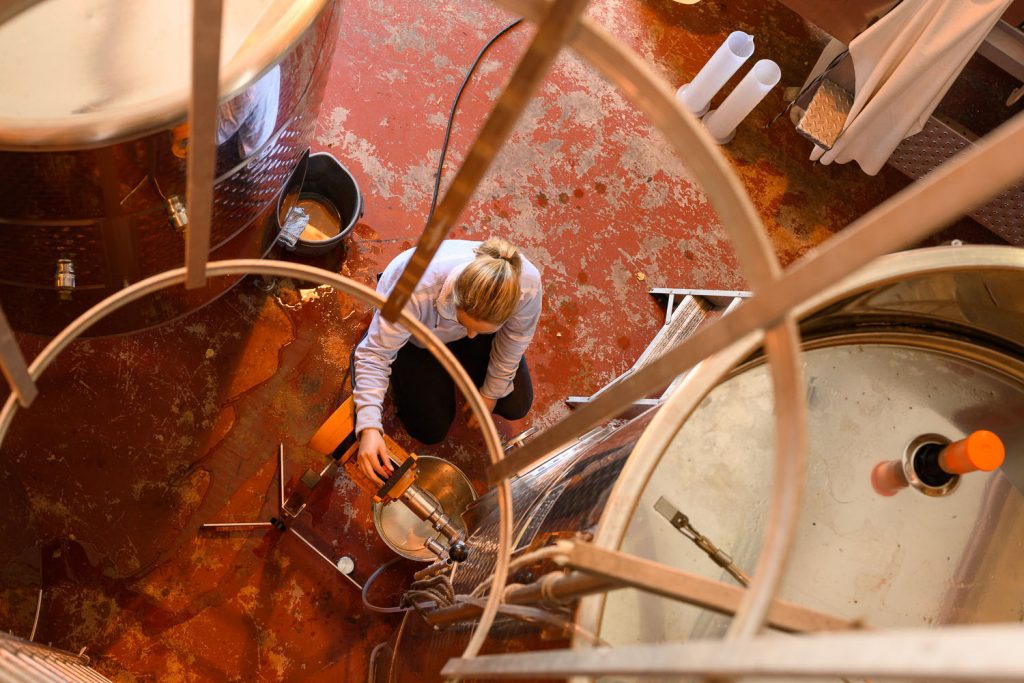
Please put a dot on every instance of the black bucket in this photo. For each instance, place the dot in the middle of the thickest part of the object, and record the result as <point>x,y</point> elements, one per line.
<point>330,199</point>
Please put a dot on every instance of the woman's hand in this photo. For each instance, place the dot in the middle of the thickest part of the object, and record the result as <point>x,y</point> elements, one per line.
<point>471,420</point>
<point>373,456</point>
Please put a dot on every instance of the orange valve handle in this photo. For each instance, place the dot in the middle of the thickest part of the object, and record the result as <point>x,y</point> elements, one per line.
<point>340,426</point>
<point>336,438</point>
<point>981,450</point>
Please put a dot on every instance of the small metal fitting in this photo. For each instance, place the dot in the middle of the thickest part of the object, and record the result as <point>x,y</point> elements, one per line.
<point>176,213</point>
<point>910,470</point>
<point>64,278</point>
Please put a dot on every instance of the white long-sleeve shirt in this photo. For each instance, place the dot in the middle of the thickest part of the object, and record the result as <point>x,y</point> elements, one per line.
<point>431,303</point>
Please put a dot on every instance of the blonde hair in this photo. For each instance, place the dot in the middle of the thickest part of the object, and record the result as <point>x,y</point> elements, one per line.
<point>488,288</point>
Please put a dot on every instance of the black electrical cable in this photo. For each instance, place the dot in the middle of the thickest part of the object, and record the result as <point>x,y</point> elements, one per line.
<point>451,115</point>
<point>369,582</point>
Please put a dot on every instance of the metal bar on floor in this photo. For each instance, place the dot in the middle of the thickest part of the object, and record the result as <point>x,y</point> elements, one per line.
<point>325,558</point>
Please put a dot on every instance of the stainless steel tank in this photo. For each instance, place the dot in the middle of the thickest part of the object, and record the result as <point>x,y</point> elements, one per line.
<point>93,143</point>
<point>936,355</point>
<point>927,342</point>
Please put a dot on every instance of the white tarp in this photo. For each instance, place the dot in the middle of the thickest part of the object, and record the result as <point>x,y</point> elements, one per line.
<point>903,66</point>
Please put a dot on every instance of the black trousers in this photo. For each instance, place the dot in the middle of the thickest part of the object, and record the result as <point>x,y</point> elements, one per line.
<point>425,395</point>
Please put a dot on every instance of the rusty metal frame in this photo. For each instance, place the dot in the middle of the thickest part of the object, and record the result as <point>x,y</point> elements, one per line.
<point>12,362</point>
<point>675,584</point>
<point>963,653</point>
<point>202,142</point>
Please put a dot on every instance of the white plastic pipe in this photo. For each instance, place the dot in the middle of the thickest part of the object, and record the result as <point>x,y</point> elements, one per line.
<point>727,60</point>
<point>722,122</point>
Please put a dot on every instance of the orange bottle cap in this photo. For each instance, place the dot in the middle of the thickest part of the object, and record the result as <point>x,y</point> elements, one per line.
<point>981,450</point>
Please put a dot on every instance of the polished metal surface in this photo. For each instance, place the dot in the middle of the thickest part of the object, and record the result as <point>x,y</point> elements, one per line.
<point>117,210</point>
<point>913,358</point>
<point>64,278</point>
<point>910,472</point>
<point>977,311</point>
<point>85,73</point>
<point>407,534</point>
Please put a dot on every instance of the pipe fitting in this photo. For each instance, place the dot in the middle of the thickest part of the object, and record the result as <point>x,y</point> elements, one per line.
<point>64,278</point>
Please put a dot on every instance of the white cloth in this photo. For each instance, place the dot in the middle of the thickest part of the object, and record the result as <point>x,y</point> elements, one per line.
<point>904,65</point>
<point>431,304</point>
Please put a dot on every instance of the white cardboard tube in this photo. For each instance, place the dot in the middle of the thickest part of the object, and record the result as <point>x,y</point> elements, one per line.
<point>696,95</point>
<point>722,122</point>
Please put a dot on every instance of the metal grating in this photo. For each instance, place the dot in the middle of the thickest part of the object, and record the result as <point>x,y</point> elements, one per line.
<point>826,115</point>
<point>688,316</point>
<point>920,154</point>
<point>22,661</point>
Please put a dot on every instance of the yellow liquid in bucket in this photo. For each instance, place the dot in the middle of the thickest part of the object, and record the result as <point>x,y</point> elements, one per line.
<point>324,219</point>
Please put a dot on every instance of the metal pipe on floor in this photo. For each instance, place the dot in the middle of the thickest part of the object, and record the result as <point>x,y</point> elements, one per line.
<point>563,589</point>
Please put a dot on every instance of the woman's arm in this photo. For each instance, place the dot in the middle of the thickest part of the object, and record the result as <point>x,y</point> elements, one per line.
<point>373,358</point>
<point>372,372</point>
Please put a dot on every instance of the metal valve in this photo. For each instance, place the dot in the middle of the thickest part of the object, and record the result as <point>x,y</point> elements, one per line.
<point>933,465</point>
<point>176,213</point>
<point>64,278</point>
<point>458,552</point>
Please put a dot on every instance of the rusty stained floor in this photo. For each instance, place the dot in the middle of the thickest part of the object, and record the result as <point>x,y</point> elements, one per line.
<point>138,440</point>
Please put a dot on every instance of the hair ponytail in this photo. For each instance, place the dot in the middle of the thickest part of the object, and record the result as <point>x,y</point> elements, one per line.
<point>488,288</point>
<point>497,248</point>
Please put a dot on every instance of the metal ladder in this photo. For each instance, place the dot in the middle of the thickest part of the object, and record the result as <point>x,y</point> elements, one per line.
<point>685,311</point>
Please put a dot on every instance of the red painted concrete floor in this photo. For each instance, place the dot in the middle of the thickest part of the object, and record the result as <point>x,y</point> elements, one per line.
<point>138,440</point>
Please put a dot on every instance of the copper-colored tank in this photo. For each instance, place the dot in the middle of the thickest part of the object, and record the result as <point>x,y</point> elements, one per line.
<point>93,143</point>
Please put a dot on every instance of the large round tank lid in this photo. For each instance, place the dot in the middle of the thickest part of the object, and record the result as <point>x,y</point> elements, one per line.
<point>82,72</point>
